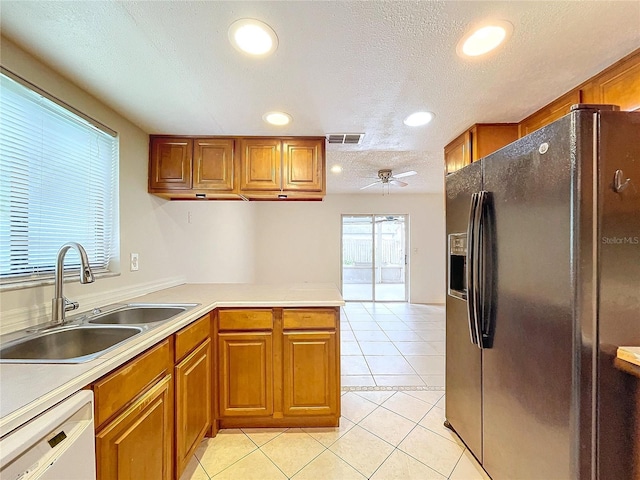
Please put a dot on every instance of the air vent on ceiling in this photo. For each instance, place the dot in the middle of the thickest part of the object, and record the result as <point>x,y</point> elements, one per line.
<point>345,138</point>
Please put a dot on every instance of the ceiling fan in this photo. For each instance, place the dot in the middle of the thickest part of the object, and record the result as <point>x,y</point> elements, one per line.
<point>386,177</point>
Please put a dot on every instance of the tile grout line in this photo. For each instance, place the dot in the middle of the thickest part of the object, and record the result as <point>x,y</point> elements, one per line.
<point>455,466</point>
<point>230,465</point>
<point>397,447</point>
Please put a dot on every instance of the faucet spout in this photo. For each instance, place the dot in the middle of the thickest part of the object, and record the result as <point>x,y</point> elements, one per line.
<point>60,305</point>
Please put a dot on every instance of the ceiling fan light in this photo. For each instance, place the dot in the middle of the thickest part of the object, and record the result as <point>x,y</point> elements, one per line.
<point>418,119</point>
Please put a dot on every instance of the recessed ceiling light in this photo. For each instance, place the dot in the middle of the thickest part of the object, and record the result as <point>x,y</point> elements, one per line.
<point>418,118</point>
<point>484,39</point>
<point>253,37</point>
<point>336,169</point>
<point>277,118</point>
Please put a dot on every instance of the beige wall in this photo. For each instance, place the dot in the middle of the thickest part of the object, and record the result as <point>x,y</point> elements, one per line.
<point>300,241</point>
<point>217,240</point>
<point>146,227</point>
<point>262,242</point>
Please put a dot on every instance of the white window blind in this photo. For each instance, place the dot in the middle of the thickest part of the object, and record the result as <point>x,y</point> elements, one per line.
<point>58,183</point>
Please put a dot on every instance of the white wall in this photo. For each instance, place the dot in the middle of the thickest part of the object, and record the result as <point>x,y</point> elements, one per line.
<point>300,241</point>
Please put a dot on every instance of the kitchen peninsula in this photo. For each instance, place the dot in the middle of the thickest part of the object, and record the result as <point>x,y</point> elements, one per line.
<point>245,355</point>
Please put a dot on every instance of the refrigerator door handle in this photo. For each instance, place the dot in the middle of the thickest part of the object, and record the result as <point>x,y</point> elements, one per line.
<point>471,308</point>
<point>479,267</point>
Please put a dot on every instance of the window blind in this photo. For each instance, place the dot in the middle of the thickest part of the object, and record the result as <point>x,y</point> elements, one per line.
<point>58,183</point>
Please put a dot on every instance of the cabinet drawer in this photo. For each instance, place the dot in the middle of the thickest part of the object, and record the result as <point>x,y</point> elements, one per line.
<point>245,319</point>
<point>190,337</point>
<point>312,318</point>
<point>119,388</point>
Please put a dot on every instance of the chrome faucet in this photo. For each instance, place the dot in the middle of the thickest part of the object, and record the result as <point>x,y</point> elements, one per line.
<point>59,304</point>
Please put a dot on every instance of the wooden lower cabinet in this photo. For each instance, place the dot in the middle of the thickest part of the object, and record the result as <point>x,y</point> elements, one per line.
<point>287,374</point>
<point>265,367</point>
<point>193,377</point>
<point>310,373</point>
<point>137,444</point>
<point>245,374</point>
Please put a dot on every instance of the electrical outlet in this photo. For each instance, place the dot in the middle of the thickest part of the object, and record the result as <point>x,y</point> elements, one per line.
<point>134,262</point>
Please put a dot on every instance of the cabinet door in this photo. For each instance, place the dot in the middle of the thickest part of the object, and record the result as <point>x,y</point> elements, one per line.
<point>486,138</point>
<point>552,112</point>
<point>245,374</point>
<point>618,85</point>
<point>303,162</point>
<point>311,383</point>
<point>213,166</point>
<point>458,153</point>
<point>170,163</point>
<point>261,164</point>
<point>138,443</point>
<point>193,403</point>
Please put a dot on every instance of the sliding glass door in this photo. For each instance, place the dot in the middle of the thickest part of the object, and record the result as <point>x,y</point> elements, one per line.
<point>374,258</point>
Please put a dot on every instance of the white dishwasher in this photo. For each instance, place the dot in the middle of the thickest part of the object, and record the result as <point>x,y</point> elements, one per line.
<point>58,444</point>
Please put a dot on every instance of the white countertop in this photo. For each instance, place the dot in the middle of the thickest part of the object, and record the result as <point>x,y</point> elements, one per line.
<point>29,389</point>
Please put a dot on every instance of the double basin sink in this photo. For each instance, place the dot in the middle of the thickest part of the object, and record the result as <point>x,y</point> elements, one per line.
<point>85,337</point>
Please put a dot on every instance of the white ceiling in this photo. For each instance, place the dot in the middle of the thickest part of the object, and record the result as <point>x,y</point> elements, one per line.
<point>341,67</point>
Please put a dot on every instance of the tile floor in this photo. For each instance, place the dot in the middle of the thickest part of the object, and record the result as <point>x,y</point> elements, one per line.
<point>392,344</point>
<point>392,412</point>
<point>382,435</point>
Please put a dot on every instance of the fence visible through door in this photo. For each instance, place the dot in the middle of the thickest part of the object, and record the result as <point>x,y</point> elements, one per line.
<point>374,257</point>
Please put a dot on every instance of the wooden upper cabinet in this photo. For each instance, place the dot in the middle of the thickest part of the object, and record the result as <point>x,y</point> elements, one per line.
<point>170,163</point>
<point>552,112</point>
<point>303,163</point>
<point>261,164</point>
<point>458,153</point>
<point>478,142</point>
<point>617,85</point>
<point>213,165</point>
<point>486,138</point>
<point>260,168</point>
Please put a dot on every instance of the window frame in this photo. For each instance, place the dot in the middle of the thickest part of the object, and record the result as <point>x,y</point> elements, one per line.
<point>112,267</point>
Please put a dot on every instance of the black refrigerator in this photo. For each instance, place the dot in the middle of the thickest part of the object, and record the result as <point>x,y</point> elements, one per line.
<point>543,284</point>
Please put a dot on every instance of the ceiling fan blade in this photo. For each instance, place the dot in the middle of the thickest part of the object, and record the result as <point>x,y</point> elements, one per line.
<point>398,183</point>
<point>406,174</point>
<point>370,185</point>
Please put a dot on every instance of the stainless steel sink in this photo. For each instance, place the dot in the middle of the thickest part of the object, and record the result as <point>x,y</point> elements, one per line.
<point>87,336</point>
<point>139,314</point>
<point>70,344</point>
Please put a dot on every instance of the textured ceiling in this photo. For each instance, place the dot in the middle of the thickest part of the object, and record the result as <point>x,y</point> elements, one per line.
<point>340,67</point>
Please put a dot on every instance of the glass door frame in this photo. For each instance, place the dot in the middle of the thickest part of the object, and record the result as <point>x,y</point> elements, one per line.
<point>373,254</point>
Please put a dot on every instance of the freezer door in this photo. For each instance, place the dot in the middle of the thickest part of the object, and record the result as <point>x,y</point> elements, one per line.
<point>527,372</point>
<point>463,366</point>
<point>619,306</point>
